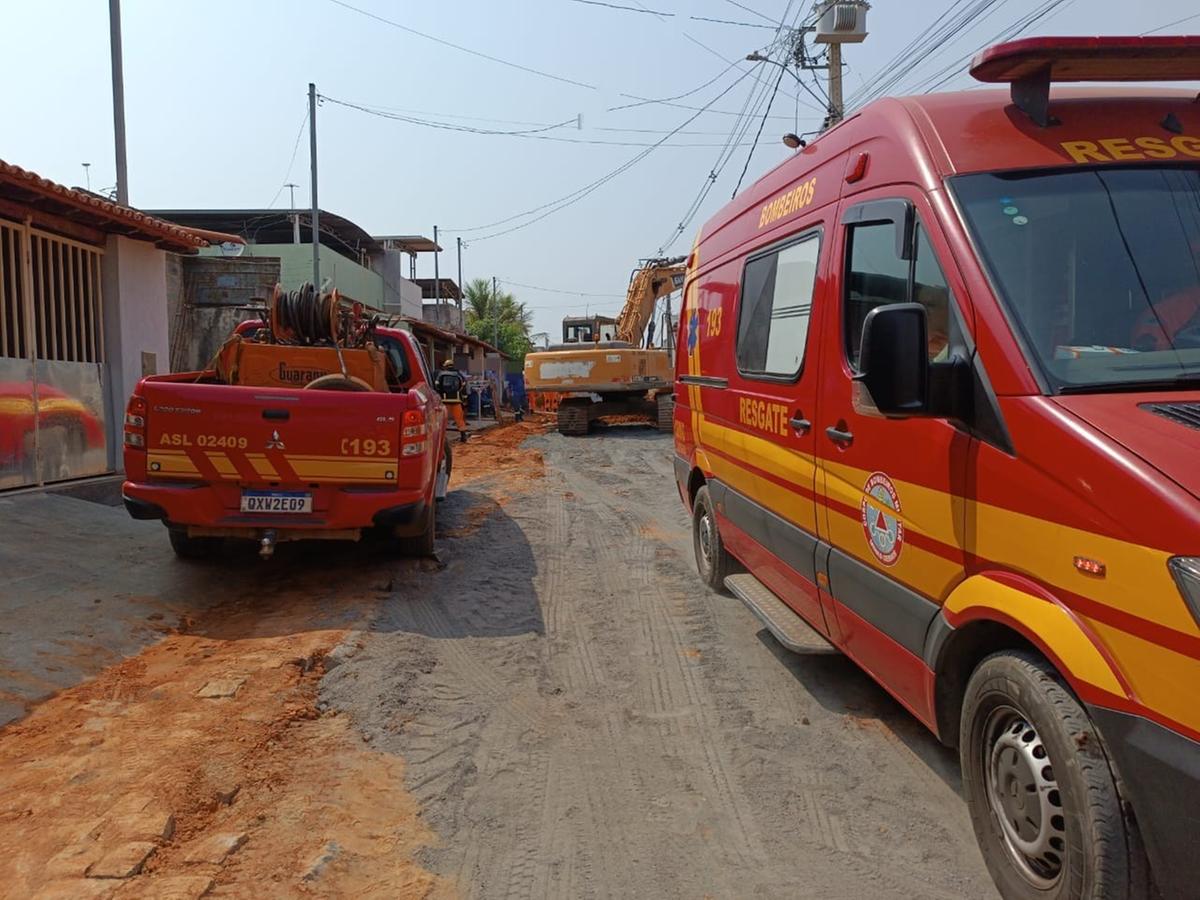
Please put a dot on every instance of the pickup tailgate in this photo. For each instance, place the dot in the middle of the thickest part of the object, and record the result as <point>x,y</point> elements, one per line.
<point>274,437</point>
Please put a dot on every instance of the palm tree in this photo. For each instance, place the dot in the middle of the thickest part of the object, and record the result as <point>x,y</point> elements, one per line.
<point>497,317</point>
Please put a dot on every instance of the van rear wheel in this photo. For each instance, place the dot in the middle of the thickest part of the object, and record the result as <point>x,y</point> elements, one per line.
<point>712,559</point>
<point>1041,793</point>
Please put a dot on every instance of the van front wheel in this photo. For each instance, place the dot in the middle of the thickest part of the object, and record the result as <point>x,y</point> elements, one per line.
<point>1042,796</point>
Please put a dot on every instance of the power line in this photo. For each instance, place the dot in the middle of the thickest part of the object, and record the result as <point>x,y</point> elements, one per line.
<point>758,135</point>
<point>536,287</point>
<point>752,105</point>
<point>735,137</point>
<point>661,14</point>
<point>296,149</point>
<point>720,55</point>
<point>1170,24</point>
<point>755,11</point>
<point>530,134</point>
<point>626,8</point>
<point>445,126</point>
<point>547,209</point>
<point>956,68</point>
<point>728,22</point>
<point>459,47</point>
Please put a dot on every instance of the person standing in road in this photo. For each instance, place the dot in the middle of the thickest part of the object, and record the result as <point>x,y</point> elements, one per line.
<point>449,383</point>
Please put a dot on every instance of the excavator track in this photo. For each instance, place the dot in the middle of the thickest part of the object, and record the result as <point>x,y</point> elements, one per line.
<point>573,417</point>
<point>665,420</point>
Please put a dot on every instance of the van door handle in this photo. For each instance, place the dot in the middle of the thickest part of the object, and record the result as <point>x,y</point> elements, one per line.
<point>801,424</point>
<point>838,436</point>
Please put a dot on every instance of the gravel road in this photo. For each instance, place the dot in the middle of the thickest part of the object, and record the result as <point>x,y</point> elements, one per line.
<point>580,717</point>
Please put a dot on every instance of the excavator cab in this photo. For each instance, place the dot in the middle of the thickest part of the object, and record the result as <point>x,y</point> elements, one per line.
<point>589,329</point>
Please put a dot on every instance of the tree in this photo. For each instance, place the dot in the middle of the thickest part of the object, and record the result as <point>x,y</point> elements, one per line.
<point>498,318</point>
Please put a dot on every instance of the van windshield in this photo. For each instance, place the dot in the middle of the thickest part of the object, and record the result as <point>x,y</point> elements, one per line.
<point>1099,268</point>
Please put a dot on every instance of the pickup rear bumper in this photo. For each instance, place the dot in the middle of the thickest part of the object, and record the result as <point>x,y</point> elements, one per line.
<point>334,509</point>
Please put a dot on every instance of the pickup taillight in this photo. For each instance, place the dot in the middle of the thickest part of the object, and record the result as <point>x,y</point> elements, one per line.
<point>413,433</point>
<point>135,423</point>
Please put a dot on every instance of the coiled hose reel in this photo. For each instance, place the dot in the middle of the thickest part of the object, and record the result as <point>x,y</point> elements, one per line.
<point>304,316</point>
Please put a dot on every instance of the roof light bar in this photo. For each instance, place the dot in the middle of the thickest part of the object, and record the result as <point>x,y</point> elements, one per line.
<point>1031,64</point>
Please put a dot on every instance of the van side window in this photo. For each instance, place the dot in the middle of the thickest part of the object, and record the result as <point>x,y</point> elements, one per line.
<point>777,295</point>
<point>876,276</point>
<point>932,292</point>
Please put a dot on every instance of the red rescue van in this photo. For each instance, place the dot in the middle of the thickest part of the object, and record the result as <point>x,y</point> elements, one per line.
<point>938,407</point>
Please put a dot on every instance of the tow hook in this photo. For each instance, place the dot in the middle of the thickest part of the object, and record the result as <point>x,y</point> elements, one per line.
<point>267,545</point>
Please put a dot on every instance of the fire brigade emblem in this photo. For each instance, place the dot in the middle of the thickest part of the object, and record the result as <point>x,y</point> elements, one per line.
<point>885,532</point>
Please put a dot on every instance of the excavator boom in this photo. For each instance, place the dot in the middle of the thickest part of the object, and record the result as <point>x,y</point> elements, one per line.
<point>654,280</point>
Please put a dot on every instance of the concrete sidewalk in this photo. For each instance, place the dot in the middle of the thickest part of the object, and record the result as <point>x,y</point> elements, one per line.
<point>82,585</point>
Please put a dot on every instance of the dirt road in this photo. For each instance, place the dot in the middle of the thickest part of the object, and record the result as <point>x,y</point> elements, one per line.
<point>579,717</point>
<point>555,708</point>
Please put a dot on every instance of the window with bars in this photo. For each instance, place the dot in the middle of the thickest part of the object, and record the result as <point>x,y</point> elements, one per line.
<point>50,298</point>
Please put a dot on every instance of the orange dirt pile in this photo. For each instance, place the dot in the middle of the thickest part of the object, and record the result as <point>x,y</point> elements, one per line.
<point>207,752</point>
<point>497,451</point>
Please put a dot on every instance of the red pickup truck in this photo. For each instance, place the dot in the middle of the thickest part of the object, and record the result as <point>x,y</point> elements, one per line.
<point>213,459</point>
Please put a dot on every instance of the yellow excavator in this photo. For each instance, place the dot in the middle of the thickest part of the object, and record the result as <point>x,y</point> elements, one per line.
<point>602,367</point>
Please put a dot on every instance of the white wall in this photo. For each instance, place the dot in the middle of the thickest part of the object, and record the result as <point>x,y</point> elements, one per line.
<point>134,281</point>
<point>399,294</point>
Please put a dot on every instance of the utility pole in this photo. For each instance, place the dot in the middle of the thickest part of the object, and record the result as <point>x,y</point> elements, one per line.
<point>495,317</point>
<point>118,89</point>
<point>312,156</point>
<point>836,110</point>
<point>437,278</point>
<point>460,284</point>
<point>837,22</point>
<point>295,215</point>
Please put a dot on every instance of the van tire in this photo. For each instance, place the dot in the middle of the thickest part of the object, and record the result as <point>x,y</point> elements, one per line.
<point>191,547</point>
<point>713,561</point>
<point>419,546</point>
<point>1070,838</point>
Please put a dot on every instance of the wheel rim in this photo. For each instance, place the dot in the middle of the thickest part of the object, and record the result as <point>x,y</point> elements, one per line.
<point>706,534</point>
<point>1024,796</point>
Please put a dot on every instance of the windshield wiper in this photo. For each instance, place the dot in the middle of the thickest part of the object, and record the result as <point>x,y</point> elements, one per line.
<point>1181,380</point>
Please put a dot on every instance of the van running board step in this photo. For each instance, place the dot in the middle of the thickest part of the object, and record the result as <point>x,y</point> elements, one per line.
<point>787,627</point>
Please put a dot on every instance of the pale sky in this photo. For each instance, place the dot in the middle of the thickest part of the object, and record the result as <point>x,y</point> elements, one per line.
<point>216,93</point>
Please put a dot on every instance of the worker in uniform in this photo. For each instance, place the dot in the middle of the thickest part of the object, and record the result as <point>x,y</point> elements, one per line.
<point>450,385</point>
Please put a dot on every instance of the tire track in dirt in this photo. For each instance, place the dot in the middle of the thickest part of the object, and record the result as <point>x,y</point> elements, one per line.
<point>580,717</point>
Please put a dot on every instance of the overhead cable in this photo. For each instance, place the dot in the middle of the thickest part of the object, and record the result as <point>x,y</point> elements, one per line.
<point>295,149</point>
<point>546,209</point>
<point>468,50</point>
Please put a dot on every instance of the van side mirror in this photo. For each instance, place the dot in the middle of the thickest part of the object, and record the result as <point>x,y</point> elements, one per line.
<point>893,359</point>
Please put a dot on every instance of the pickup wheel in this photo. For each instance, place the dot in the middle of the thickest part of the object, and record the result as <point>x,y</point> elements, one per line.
<point>713,561</point>
<point>191,547</point>
<point>1041,793</point>
<point>421,545</point>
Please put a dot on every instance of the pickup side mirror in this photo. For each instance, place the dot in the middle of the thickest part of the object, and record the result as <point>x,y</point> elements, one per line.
<point>893,359</point>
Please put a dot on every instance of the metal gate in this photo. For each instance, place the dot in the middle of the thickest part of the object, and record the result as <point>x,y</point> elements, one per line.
<point>52,372</point>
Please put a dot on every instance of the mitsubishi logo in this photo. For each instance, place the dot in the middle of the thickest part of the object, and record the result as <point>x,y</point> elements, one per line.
<point>275,443</point>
